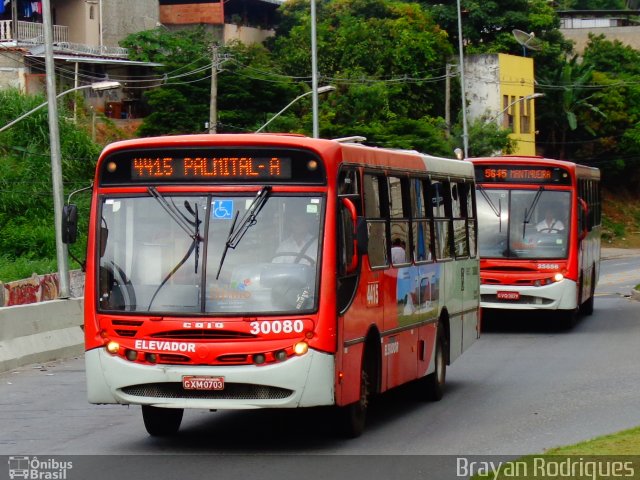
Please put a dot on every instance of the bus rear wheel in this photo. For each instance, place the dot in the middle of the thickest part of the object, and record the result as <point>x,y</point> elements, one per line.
<point>161,422</point>
<point>432,386</point>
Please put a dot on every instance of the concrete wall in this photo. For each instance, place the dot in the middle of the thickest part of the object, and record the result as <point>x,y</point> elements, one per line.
<point>40,332</point>
<point>627,35</point>
<point>492,78</point>
<point>12,70</point>
<point>123,17</point>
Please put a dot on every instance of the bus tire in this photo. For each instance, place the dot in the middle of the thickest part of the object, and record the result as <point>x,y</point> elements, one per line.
<point>587,307</point>
<point>352,418</point>
<point>161,422</point>
<point>432,387</point>
<point>569,318</point>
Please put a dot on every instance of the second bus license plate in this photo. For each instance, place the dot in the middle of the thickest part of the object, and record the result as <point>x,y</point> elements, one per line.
<point>511,296</point>
<point>203,383</point>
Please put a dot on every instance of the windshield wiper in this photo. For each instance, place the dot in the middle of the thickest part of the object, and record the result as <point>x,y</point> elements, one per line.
<point>247,220</point>
<point>497,211</point>
<point>191,227</point>
<point>528,213</point>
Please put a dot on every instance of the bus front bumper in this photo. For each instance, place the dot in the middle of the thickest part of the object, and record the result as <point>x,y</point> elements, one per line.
<point>303,381</point>
<point>556,296</point>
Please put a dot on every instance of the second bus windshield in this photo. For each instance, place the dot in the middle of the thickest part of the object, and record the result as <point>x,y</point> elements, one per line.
<point>523,224</point>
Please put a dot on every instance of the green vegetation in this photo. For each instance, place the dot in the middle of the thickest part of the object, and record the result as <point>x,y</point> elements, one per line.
<point>594,458</point>
<point>626,442</point>
<point>27,236</point>
<point>621,220</point>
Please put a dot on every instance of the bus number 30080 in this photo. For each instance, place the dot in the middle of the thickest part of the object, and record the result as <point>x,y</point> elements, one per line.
<point>277,326</point>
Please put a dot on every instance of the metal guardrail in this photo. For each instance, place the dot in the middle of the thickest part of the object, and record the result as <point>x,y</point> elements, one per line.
<point>32,33</point>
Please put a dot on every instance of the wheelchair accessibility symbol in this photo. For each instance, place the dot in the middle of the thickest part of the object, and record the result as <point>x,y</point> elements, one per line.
<point>222,209</point>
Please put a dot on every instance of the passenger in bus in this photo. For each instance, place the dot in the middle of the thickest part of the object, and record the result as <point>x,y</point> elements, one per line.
<point>398,251</point>
<point>301,246</point>
<point>550,223</point>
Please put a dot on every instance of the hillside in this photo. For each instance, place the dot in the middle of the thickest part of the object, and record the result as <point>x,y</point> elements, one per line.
<point>621,220</point>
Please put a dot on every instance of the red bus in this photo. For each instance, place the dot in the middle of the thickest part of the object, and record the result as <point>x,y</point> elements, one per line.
<point>197,294</point>
<point>539,234</point>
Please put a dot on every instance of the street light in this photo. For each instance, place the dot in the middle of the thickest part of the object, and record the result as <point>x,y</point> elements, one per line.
<point>521,99</point>
<point>326,88</point>
<point>463,87</point>
<point>97,86</point>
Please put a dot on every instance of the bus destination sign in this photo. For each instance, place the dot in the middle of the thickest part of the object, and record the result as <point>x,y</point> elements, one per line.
<point>210,168</point>
<point>522,174</point>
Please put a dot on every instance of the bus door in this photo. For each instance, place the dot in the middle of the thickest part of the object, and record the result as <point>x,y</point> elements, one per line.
<point>464,227</point>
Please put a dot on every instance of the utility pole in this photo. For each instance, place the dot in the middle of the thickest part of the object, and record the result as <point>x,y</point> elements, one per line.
<point>56,161</point>
<point>213,108</point>
<point>447,100</point>
<point>314,73</point>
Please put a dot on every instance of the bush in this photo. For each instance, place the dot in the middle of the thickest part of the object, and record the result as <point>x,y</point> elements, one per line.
<point>27,236</point>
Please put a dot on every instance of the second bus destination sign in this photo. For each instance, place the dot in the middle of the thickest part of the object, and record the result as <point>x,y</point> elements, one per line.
<point>210,168</point>
<point>522,174</point>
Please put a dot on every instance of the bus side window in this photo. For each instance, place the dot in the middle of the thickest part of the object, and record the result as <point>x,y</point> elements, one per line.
<point>374,189</point>
<point>348,182</point>
<point>440,201</point>
<point>459,194</point>
<point>471,220</point>
<point>420,225</point>
<point>399,221</point>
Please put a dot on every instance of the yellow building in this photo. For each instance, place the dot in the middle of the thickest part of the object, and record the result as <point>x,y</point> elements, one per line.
<point>500,88</point>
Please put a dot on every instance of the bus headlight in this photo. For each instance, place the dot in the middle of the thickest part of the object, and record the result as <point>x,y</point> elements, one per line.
<point>558,277</point>
<point>113,347</point>
<point>301,348</point>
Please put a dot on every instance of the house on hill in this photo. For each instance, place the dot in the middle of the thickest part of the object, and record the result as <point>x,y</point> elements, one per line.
<point>86,35</point>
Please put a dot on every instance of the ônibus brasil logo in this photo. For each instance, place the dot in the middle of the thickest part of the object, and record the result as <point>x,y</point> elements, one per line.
<point>38,469</point>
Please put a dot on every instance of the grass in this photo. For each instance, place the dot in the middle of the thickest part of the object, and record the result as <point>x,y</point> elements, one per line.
<point>17,269</point>
<point>605,457</point>
<point>626,442</point>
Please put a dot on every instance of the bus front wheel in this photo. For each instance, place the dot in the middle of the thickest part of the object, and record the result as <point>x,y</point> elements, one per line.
<point>161,422</point>
<point>352,418</point>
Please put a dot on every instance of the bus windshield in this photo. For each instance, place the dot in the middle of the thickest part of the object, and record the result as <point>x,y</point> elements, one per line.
<point>525,224</point>
<point>209,254</point>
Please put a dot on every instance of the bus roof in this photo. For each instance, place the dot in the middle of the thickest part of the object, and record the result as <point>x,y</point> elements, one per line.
<point>329,149</point>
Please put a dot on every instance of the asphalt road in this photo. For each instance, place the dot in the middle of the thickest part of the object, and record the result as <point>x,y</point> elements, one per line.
<point>525,386</point>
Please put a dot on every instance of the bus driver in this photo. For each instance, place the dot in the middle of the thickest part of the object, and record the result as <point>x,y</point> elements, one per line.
<point>301,246</point>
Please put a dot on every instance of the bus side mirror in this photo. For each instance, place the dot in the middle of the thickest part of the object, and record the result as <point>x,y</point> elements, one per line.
<point>69,224</point>
<point>350,238</point>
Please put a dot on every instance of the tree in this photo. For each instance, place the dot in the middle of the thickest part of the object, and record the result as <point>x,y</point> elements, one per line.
<point>251,87</point>
<point>248,82</point>
<point>26,198</point>
<point>387,59</point>
<point>178,103</point>
<point>568,97</point>
<point>616,93</point>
